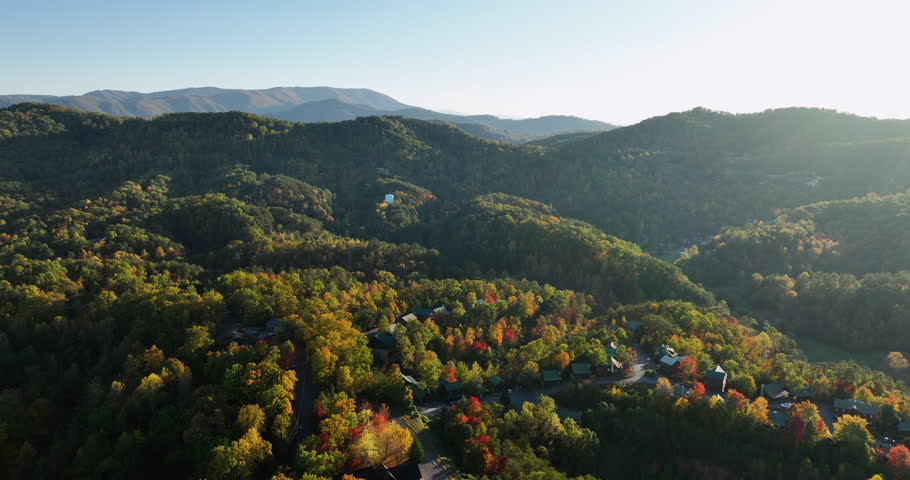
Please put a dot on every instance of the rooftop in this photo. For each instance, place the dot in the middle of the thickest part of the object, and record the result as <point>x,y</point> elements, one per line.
<point>716,373</point>
<point>774,390</point>
<point>854,404</point>
<point>581,368</point>
<point>551,375</point>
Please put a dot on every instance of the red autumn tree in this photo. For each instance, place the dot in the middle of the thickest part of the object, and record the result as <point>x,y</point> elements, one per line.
<point>510,335</point>
<point>698,391</point>
<point>899,459</point>
<point>474,407</point>
<point>687,369</point>
<point>450,375</point>
<point>736,399</point>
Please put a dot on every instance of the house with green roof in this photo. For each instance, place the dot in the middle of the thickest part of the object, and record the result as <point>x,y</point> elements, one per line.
<point>551,376</point>
<point>680,391</point>
<point>423,312</point>
<point>494,382</point>
<point>451,390</point>
<point>668,363</point>
<point>778,419</point>
<point>581,370</point>
<point>804,395</point>
<point>665,351</point>
<point>854,406</point>
<point>612,349</point>
<point>774,391</point>
<point>419,393</point>
<point>716,379</point>
<point>614,364</point>
<point>904,427</point>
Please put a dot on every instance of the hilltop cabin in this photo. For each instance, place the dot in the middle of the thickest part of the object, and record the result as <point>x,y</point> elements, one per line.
<point>389,199</point>
<point>408,318</point>
<point>664,351</point>
<point>854,407</point>
<point>774,392</point>
<point>551,376</point>
<point>405,471</point>
<point>451,390</point>
<point>716,379</point>
<point>495,383</point>
<point>419,393</point>
<point>581,370</point>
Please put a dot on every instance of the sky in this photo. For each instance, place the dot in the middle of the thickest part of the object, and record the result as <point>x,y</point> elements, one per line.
<point>619,62</point>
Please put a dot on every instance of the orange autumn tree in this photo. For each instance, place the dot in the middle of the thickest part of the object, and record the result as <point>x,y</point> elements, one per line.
<point>898,460</point>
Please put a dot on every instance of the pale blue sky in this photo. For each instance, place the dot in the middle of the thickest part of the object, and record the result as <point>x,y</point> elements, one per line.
<point>613,61</point>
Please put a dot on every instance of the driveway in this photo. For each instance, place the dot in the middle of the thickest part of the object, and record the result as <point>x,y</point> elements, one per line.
<point>429,467</point>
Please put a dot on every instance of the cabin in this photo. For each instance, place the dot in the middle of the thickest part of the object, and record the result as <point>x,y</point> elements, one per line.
<point>551,376</point>
<point>405,471</point>
<point>378,339</point>
<point>774,391</point>
<point>451,390</point>
<point>778,419</point>
<point>614,364</point>
<point>409,318</point>
<point>581,370</point>
<point>904,427</point>
<point>494,382</point>
<point>806,395</point>
<point>429,312</point>
<point>680,391</point>
<point>716,379</point>
<point>272,325</point>
<point>389,199</point>
<point>668,363</point>
<point>419,393</point>
<point>854,407</point>
<point>612,349</point>
<point>665,351</point>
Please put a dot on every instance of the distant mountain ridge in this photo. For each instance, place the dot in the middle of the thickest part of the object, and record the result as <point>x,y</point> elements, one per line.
<point>307,104</point>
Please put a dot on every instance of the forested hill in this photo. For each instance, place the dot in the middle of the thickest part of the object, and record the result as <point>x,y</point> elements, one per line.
<point>662,183</point>
<point>227,296</point>
<point>835,271</point>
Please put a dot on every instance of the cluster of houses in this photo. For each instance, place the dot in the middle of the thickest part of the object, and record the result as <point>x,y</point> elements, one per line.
<point>382,344</point>
<point>251,335</point>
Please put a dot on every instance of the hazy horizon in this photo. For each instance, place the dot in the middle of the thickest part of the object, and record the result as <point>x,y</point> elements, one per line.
<point>615,63</point>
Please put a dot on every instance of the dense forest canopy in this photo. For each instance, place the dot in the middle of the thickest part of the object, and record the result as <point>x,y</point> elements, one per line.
<point>227,296</point>
<point>660,183</point>
<point>836,271</point>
